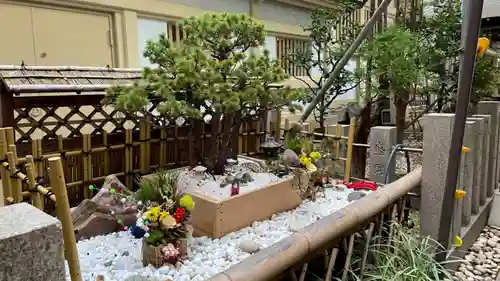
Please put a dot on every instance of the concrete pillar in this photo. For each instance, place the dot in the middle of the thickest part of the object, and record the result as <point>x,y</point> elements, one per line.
<point>382,142</point>
<point>478,164</point>
<point>466,177</point>
<point>492,108</point>
<point>31,244</point>
<point>436,148</point>
<point>485,160</point>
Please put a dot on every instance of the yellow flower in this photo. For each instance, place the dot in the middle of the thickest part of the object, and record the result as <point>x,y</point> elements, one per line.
<point>315,155</point>
<point>153,213</point>
<point>311,167</point>
<point>187,202</point>
<point>304,160</point>
<point>163,215</point>
<point>150,216</point>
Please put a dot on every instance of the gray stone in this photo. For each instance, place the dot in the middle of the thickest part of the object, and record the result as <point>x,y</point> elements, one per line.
<point>249,246</point>
<point>436,147</point>
<point>486,161</point>
<point>31,244</point>
<point>136,278</point>
<point>355,195</point>
<point>492,108</point>
<point>466,174</point>
<point>382,142</point>
<point>290,157</point>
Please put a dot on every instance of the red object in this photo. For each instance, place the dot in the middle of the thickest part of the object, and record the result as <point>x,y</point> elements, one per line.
<point>362,185</point>
<point>179,215</point>
<point>235,189</point>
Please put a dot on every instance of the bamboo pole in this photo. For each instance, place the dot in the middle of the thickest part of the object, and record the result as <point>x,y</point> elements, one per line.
<point>128,157</point>
<point>277,126</point>
<point>163,147</point>
<point>86,178</point>
<point>285,138</point>
<point>338,131</point>
<point>148,143</point>
<point>60,148</point>
<point>143,149</point>
<point>9,131</point>
<point>7,189</point>
<point>56,175</point>
<point>352,129</point>
<point>15,182</point>
<point>106,152</point>
<point>36,198</point>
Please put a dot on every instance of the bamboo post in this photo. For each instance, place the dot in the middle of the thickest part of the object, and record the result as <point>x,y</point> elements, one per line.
<point>17,192</point>
<point>86,167</point>
<point>163,147</point>
<point>36,148</point>
<point>277,126</point>
<point>287,127</point>
<point>106,152</point>
<point>9,131</point>
<point>60,148</point>
<point>148,143</point>
<point>36,199</point>
<point>352,129</point>
<point>128,157</point>
<point>7,189</point>
<point>143,149</point>
<point>338,131</point>
<point>56,175</point>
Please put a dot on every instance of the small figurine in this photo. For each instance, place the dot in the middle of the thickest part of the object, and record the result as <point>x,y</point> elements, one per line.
<point>235,189</point>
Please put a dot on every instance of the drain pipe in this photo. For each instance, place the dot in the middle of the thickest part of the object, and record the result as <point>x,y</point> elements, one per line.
<point>365,32</point>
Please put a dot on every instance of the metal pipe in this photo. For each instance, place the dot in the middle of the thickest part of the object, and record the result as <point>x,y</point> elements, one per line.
<point>365,32</point>
<point>466,75</point>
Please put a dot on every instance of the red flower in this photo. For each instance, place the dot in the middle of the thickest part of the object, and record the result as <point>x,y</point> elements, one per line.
<point>179,215</point>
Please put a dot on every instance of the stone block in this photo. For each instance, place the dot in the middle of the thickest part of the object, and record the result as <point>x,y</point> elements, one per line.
<point>478,164</point>
<point>31,244</point>
<point>382,142</point>
<point>485,159</point>
<point>436,148</point>
<point>466,174</point>
<point>492,108</point>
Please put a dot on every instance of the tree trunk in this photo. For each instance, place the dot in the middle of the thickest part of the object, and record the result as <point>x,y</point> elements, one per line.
<point>235,134</point>
<point>195,139</point>
<point>224,143</point>
<point>214,143</point>
<point>401,102</point>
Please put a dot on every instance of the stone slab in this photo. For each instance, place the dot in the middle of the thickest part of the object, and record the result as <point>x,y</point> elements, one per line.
<point>485,162</point>
<point>31,244</point>
<point>466,176</point>
<point>436,147</point>
<point>492,108</point>
<point>382,142</point>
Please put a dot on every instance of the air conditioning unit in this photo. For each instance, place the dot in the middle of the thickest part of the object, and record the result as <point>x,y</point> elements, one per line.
<point>385,115</point>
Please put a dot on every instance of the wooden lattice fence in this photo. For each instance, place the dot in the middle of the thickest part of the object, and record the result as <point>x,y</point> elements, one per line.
<point>58,111</point>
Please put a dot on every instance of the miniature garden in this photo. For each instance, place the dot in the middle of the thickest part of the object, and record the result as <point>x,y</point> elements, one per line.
<point>214,77</point>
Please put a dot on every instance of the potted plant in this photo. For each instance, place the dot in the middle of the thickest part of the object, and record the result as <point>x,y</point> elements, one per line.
<point>163,216</point>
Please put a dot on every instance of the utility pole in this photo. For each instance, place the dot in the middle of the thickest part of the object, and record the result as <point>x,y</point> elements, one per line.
<point>470,33</point>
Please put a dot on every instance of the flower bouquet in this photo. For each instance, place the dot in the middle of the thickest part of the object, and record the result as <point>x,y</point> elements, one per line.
<point>163,217</point>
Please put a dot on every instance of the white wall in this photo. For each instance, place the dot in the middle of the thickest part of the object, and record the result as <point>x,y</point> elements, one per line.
<point>283,13</point>
<point>148,30</point>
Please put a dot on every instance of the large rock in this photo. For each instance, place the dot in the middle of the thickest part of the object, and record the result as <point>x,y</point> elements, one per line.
<point>100,215</point>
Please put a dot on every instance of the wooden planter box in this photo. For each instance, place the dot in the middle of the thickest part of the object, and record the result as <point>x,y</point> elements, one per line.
<point>215,218</point>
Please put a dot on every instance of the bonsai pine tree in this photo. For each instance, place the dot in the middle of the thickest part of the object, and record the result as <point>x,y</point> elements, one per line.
<point>213,76</point>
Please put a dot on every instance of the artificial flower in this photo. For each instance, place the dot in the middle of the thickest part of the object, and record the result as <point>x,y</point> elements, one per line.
<point>311,167</point>
<point>151,216</point>
<point>304,160</point>
<point>187,202</point>
<point>179,215</point>
<point>163,214</point>
<point>315,155</point>
<point>168,222</point>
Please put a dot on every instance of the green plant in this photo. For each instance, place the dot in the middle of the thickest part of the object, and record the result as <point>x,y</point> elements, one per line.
<point>408,258</point>
<point>323,54</point>
<point>213,77</point>
<point>159,187</point>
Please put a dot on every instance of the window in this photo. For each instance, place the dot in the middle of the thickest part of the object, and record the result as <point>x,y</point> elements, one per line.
<point>149,29</point>
<point>285,48</point>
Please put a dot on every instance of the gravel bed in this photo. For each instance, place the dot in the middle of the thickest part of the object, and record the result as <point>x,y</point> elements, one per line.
<point>117,256</point>
<point>482,262</point>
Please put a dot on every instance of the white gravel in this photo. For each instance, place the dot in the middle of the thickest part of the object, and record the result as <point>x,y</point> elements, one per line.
<point>117,256</point>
